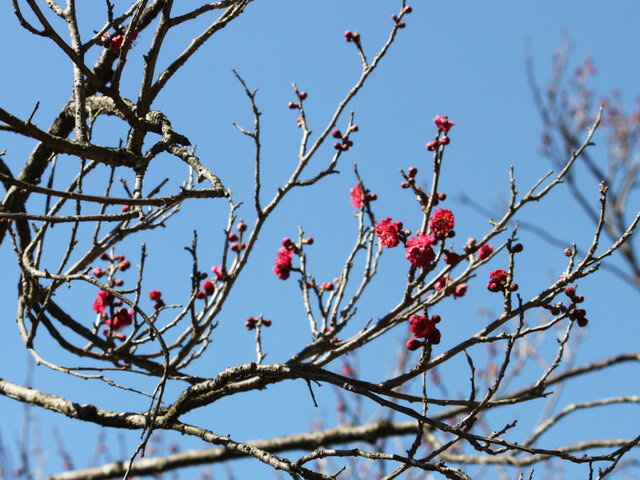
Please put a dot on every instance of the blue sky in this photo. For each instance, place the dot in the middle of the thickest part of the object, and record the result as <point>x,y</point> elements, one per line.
<point>461,59</point>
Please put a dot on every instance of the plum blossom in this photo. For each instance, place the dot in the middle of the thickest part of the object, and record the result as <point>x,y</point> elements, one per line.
<point>419,251</point>
<point>282,262</point>
<point>388,232</point>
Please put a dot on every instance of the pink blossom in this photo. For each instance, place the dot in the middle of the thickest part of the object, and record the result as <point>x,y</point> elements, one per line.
<point>388,232</point>
<point>460,290</point>
<point>122,318</point>
<point>419,251</point>
<point>356,197</point>
<point>443,123</point>
<point>283,263</point>
<point>484,251</point>
<point>442,222</point>
<point>103,300</point>
<point>220,273</point>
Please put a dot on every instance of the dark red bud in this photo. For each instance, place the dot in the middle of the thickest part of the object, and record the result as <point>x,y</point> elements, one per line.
<point>412,172</point>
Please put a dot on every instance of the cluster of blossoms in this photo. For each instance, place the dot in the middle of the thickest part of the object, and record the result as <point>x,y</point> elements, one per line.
<point>105,303</point>
<point>498,281</point>
<point>122,318</point>
<point>423,327</point>
<point>284,257</point>
<point>444,125</point>
<point>252,322</point>
<point>360,197</point>
<point>576,314</point>
<point>208,287</point>
<point>418,249</point>
<point>236,244</point>
<point>118,263</point>
<point>411,177</point>
<point>114,42</point>
<point>345,143</point>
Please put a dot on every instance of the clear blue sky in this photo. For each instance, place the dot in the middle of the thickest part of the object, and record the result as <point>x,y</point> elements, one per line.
<point>461,59</point>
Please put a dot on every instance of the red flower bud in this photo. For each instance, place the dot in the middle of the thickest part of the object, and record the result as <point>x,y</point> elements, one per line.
<point>155,295</point>
<point>336,133</point>
<point>401,24</point>
<point>208,287</point>
<point>232,237</point>
<point>118,282</point>
<point>434,337</point>
<point>241,226</point>
<point>431,146</point>
<point>303,95</point>
<point>445,140</point>
<point>412,172</point>
<point>124,265</point>
<point>414,344</point>
<point>234,247</point>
